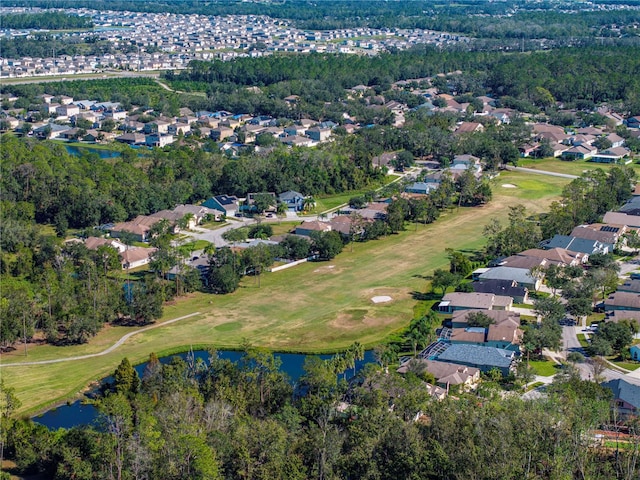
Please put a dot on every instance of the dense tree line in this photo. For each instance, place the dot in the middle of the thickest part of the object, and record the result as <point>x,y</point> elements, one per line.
<point>68,293</point>
<point>587,198</point>
<point>86,191</point>
<point>44,21</point>
<point>215,419</point>
<point>44,45</point>
<point>596,73</point>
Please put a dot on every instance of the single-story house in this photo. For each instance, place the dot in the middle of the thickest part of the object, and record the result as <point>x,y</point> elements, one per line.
<point>521,276</point>
<point>448,374</point>
<point>626,396</point>
<point>132,138</point>
<point>580,152</point>
<point>619,218</point>
<point>459,319</point>
<point>622,301</point>
<point>93,243</point>
<point>483,358</point>
<point>228,204</point>
<point>138,231</point>
<point>620,315</point>
<point>423,188</point>
<point>199,212</point>
<point>508,288</point>
<point>134,257</point>
<point>557,255</point>
<point>619,155</point>
<point>455,301</point>
<point>632,286</point>
<point>309,226</point>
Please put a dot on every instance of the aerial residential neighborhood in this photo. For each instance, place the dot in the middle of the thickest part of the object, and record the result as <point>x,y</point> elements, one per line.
<point>333,239</point>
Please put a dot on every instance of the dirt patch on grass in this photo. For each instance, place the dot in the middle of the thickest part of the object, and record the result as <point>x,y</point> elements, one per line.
<point>327,269</point>
<point>349,319</point>
<point>509,185</point>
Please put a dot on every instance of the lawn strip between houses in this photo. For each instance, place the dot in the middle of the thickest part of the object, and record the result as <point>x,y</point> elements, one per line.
<point>315,307</point>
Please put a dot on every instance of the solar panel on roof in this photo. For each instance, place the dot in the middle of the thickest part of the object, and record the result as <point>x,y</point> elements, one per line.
<point>607,228</point>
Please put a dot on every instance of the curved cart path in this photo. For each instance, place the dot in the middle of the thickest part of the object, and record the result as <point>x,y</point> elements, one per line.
<point>104,352</point>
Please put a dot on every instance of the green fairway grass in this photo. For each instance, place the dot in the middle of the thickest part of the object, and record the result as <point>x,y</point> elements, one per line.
<point>575,167</point>
<point>314,307</point>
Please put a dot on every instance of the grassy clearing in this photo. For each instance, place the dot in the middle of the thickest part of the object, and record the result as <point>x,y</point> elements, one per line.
<point>571,167</point>
<point>544,368</point>
<point>314,307</point>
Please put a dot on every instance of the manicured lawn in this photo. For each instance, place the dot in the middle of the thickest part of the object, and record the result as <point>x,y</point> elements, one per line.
<point>583,340</point>
<point>281,228</point>
<point>571,167</point>
<point>544,368</point>
<point>197,245</point>
<point>626,365</point>
<point>313,307</point>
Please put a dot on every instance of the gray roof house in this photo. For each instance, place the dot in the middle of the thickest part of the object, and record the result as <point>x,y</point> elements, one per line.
<point>626,396</point>
<point>632,286</point>
<point>455,301</point>
<point>292,199</point>
<point>484,358</point>
<point>575,244</point>
<point>608,235</point>
<point>420,187</point>
<point>521,276</point>
<point>622,301</point>
<point>509,288</point>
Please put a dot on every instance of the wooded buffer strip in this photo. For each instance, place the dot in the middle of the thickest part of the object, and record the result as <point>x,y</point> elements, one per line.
<point>218,420</point>
<point>87,191</point>
<point>44,21</point>
<point>596,74</point>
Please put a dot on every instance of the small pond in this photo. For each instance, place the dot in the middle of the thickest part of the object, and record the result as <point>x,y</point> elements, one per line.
<point>76,413</point>
<point>102,153</point>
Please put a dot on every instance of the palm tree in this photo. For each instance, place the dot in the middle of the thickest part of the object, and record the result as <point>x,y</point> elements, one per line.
<point>281,210</point>
<point>308,203</point>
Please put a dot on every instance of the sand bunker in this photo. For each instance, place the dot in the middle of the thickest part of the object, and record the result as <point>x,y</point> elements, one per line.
<point>508,185</point>
<point>381,299</point>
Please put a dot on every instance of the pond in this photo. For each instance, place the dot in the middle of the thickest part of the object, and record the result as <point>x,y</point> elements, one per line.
<point>77,413</point>
<point>102,153</point>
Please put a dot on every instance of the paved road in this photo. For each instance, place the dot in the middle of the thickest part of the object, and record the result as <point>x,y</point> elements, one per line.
<point>571,344</point>
<point>104,352</point>
<point>542,172</point>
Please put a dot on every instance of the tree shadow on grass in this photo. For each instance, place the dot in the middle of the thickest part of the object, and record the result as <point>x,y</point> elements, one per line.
<point>425,296</point>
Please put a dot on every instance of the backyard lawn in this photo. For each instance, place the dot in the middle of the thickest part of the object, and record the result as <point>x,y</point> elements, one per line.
<point>544,368</point>
<point>314,307</point>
